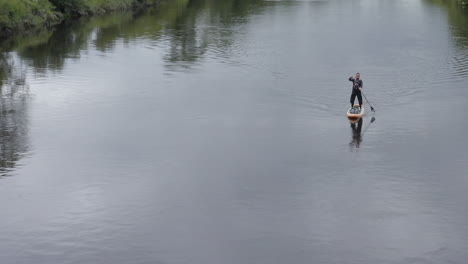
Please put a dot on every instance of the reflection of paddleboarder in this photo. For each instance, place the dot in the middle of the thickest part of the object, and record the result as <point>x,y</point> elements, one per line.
<point>356,133</point>
<point>356,128</point>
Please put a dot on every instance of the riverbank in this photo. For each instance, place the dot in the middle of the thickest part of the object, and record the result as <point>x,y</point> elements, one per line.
<point>18,16</point>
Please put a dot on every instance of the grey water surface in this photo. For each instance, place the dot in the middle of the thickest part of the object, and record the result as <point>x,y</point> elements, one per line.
<point>215,132</point>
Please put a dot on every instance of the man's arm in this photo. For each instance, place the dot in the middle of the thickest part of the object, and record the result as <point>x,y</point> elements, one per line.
<point>362,85</point>
<point>351,79</point>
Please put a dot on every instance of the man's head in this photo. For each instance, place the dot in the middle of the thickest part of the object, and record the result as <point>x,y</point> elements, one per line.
<point>358,75</point>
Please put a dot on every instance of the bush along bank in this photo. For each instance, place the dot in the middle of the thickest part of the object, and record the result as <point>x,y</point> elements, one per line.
<point>18,16</point>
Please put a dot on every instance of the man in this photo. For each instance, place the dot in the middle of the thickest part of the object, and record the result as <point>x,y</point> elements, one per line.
<point>357,88</point>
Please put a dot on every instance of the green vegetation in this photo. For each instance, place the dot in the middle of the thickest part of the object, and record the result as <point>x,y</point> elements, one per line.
<point>20,15</point>
<point>23,14</point>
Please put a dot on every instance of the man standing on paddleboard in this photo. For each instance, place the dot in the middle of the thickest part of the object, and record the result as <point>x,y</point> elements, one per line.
<point>357,88</point>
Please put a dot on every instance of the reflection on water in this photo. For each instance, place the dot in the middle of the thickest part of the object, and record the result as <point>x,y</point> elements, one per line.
<point>13,115</point>
<point>187,25</point>
<point>357,132</point>
<point>356,126</point>
<point>458,20</point>
<point>195,31</point>
<point>191,27</point>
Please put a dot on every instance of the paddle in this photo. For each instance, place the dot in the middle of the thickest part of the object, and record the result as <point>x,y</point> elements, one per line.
<point>372,108</point>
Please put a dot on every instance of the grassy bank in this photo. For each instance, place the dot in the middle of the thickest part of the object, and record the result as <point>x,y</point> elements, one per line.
<point>20,15</point>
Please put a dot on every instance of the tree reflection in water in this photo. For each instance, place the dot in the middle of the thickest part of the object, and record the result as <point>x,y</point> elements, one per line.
<point>458,20</point>
<point>13,115</point>
<point>191,27</point>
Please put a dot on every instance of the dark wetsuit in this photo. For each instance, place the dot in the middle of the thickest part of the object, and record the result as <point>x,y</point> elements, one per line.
<point>356,92</point>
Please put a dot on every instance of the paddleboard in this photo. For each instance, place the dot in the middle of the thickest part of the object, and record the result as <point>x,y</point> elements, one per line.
<point>353,112</point>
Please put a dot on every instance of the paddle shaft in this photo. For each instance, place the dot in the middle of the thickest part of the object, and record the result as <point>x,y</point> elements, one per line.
<point>372,108</point>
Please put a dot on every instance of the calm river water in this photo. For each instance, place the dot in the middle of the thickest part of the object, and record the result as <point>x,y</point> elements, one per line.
<point>215,132</point>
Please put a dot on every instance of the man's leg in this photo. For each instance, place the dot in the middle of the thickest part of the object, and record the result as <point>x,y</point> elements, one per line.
<point>351,100</point>
<point>359,97</point>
